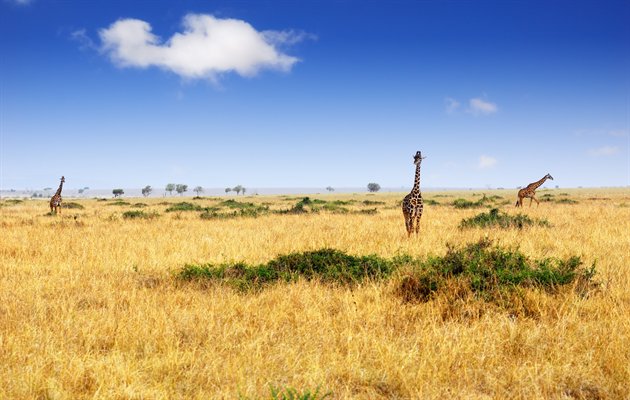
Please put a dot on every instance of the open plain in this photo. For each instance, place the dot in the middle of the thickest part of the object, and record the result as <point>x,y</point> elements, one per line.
<point>91,306</point>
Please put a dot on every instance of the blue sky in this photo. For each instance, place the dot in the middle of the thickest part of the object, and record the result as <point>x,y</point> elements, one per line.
<point>314,93</point>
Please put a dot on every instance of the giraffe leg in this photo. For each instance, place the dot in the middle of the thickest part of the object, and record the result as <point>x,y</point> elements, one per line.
<point>537,202</point>
<point>417,224</point>
<point>530,201</point>
<point>407,222</point>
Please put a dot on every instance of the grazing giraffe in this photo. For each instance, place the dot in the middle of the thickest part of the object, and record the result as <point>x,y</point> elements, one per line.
<point>412,203</point>
<point>55,201</point>
<point>530,191</point>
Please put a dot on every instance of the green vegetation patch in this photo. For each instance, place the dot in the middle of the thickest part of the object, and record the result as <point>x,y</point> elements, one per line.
<point>139,205</point>
<point>184,206</point>
<point>566,201</point>
<point>72,205</point>
<point>138,214</point>
<point>326,265</point>
<point>496,218</point>
<point>490,272</point>
<point>119,203</point>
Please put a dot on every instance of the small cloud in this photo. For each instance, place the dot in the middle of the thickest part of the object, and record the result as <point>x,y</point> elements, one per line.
<point>451,105</point>
<point>206,48</point>
<point>85,42</point>
<point>486,162</point>
<point>604,151</point>
<point>20,2</point>
<point>619,133</point>
<point>287,37</point>
<point>477,106</point>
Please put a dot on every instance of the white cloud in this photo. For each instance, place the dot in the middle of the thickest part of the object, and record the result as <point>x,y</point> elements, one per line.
<point>85,42</point>
<point>478,106</point>
<point>451,105</point>
<point>207,47</point>
<point>487,162</point>
<point>604,151</point>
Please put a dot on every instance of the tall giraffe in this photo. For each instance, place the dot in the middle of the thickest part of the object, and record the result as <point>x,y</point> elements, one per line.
<point>530,191</point>
<point>55,201</point>
<point>412,203</point>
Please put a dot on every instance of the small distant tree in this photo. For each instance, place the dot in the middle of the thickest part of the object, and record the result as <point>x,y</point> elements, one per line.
<point>146,191</point>
<point>330,189</point>
<point>238,189</point>
<point>47,189</point>
<point>198,190</point>
<point>81,191</point>
<point>181,188</point>
<point>373,187</point>
<point>243,190</point>
<point>169,188</point>
<point>228,190</point>
<point>118,192</point>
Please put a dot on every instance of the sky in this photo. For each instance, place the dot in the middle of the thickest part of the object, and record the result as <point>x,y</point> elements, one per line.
<point>313,93</point>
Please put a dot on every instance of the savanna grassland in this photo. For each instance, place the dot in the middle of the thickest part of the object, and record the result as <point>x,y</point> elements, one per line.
<point>93,304</point>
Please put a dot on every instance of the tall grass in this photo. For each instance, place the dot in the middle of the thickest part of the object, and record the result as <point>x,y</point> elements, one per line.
<point>89,308</point>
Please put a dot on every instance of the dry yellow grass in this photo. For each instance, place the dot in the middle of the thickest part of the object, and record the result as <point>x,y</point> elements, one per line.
<point>89,307</point>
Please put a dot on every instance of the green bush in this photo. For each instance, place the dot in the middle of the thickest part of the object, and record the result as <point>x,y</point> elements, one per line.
<point>489,272</point>
<point>566,201</point>
<point>138,214</point>
<point>184,206</point>
<point>119,203</point>
<point>495,218</point>
<point>72,206</point>
<point>139,205</point>
<point>463,203</point>
<point>326,265</point>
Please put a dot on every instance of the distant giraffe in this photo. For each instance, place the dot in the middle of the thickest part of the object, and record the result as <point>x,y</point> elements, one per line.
<point>55,201</point>
<point>412,203</point>
<point>530,191</point>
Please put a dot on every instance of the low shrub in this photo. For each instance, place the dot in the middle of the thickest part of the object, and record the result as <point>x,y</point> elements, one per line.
<point>72,206</point>
<point>184,206</point>
<point>139,205</point>
<point>496,218</point>
<point>119,203</point>
<point>326,265</point>
<point>566,201</point>
<point>138,214</point>
<point>489,272</point>
<point>463,203</point>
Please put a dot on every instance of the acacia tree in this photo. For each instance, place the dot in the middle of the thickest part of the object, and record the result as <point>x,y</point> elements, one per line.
<point>198,190</point>
<point>228,190</point>
<point>373,187</point>
<point>330,189</point>
<point>169,188</point>
<point>118,192</point>
<point>238,189</point>
<point>181,188</point>
<point>146,191</point>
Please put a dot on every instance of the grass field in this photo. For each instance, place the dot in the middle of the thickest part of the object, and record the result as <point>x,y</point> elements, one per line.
<point>91,306</point>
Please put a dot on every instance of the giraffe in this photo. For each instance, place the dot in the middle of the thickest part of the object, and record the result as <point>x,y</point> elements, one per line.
<point>412,203</point>
<point>55,201</point>
<point>530,191</point>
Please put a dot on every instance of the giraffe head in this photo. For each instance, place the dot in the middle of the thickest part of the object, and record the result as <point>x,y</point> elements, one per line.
<point>417,159</point>
<point>63,179</point>
<point>548,176</point>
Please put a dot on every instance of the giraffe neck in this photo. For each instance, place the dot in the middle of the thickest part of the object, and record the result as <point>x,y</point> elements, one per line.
<point>416,183</point>
<point>59,190</point>
<point>537,184</point>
